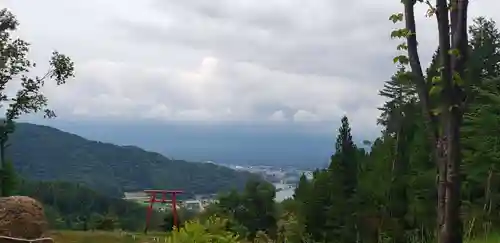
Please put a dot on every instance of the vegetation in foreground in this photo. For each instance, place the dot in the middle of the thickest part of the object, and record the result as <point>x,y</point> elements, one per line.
<point>105,237</point>
<point>194,232</point>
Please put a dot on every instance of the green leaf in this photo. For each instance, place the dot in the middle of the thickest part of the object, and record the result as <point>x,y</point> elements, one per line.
<point>436,111</point>
<point>457,79</point>
<point>396,34</point>
<point>400,33</point>
<point>396,17</point>
<point>401,59</point>
<point>436,79</point>
<point>402,46</point>
<point>436,89</point>
<point>454,52</point>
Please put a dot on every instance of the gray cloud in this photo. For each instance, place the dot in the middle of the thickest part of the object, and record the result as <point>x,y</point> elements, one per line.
<point>319,38</point>
<point>222,60</point>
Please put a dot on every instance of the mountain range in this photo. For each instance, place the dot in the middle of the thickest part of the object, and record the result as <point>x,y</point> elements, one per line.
<point>48,154</point>
<point>305,146</point>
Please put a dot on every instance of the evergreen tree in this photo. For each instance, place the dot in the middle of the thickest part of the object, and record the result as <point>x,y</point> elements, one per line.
<point>482,144</point>
<point>398,117</point>
<point>302,189</point>
<point>344,164</point>
<point>484,60</point>
<point>399,92</point>
<point>343,172</point>
<point>260,210</point>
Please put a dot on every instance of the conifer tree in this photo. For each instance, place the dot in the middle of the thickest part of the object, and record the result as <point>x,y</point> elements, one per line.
<point>344,173</point>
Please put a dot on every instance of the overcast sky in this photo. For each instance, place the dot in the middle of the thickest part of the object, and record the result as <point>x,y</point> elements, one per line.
<point>205,61</point>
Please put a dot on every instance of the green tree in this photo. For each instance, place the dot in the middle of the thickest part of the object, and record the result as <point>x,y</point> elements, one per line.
<point>259,213</point>
<point>321,211</point>
<point>395,194</point>
<point>344,163</point>
<point>398,117</point>
<point>14,67</point>
<point>481,164</point>
<point>344,169</point>
<point>328,204</point>
<point>449,89</point>
<point>248,212</point>
<point>10,179</point>
<point>302,189</point>
<point>484,61</point>
<point>400,93</point>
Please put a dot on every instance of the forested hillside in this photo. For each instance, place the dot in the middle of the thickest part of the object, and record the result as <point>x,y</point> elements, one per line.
<point>47,154</point>
<point>391,192</point>
<point>402,190</point>
<point>73,206</point>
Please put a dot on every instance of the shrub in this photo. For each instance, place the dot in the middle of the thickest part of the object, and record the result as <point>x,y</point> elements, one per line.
<point>212,231</point>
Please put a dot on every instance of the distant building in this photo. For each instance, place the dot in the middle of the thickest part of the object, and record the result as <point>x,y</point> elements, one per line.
<point>194,205</point>
<point>135,196</point>
<point>197,204</point>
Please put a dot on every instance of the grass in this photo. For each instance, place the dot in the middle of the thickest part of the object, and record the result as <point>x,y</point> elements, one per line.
<point>105,237</point>
<point>493,238</point>
<point>117,237</point>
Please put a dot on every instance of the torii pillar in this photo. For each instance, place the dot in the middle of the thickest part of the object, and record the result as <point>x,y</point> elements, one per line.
<point>153,199</point>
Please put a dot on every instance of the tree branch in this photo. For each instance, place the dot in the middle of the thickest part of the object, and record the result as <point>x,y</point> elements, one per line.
<point>459,34</point>
<point>417,73</point>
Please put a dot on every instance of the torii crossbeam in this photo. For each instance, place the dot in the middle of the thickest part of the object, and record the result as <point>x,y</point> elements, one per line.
<point>154,199</point>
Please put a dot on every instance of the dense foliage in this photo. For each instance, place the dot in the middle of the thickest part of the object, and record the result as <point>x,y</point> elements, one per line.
<point>111,169</point>
<point>389,194</point>
<point>73,206</point>
<point>211,231</point>
<point>395,190</point>
<point>248,212</point>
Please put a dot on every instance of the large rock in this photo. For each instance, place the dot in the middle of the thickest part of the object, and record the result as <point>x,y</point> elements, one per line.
<point>22,217</point>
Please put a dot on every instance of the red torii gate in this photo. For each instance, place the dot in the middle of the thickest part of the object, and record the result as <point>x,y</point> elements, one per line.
<point>153,199</point>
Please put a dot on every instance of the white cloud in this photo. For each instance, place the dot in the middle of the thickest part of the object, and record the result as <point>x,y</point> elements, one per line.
<point>222,60</point>
<point>302,115</point>
<point>278,116</point>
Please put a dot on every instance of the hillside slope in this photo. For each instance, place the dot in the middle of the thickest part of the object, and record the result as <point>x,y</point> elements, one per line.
<point>68,204</point>
<point>45,153</point>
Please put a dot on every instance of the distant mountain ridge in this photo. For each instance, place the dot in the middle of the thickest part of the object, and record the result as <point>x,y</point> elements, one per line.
<point>301,146</point>
<point>46,153</point>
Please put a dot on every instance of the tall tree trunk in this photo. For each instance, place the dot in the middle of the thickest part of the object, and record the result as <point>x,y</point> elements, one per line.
<point>444,195</point>
<point>453,58</point>
<point>447,152</point>
<point>431,121</point>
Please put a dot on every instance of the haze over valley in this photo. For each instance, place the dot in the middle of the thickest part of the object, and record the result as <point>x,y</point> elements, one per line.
<point>287,144</point>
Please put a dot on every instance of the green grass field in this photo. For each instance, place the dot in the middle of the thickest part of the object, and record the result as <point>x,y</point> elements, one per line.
<point>116,237</point>
<point>105,237</point>
<point>494,238</point>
